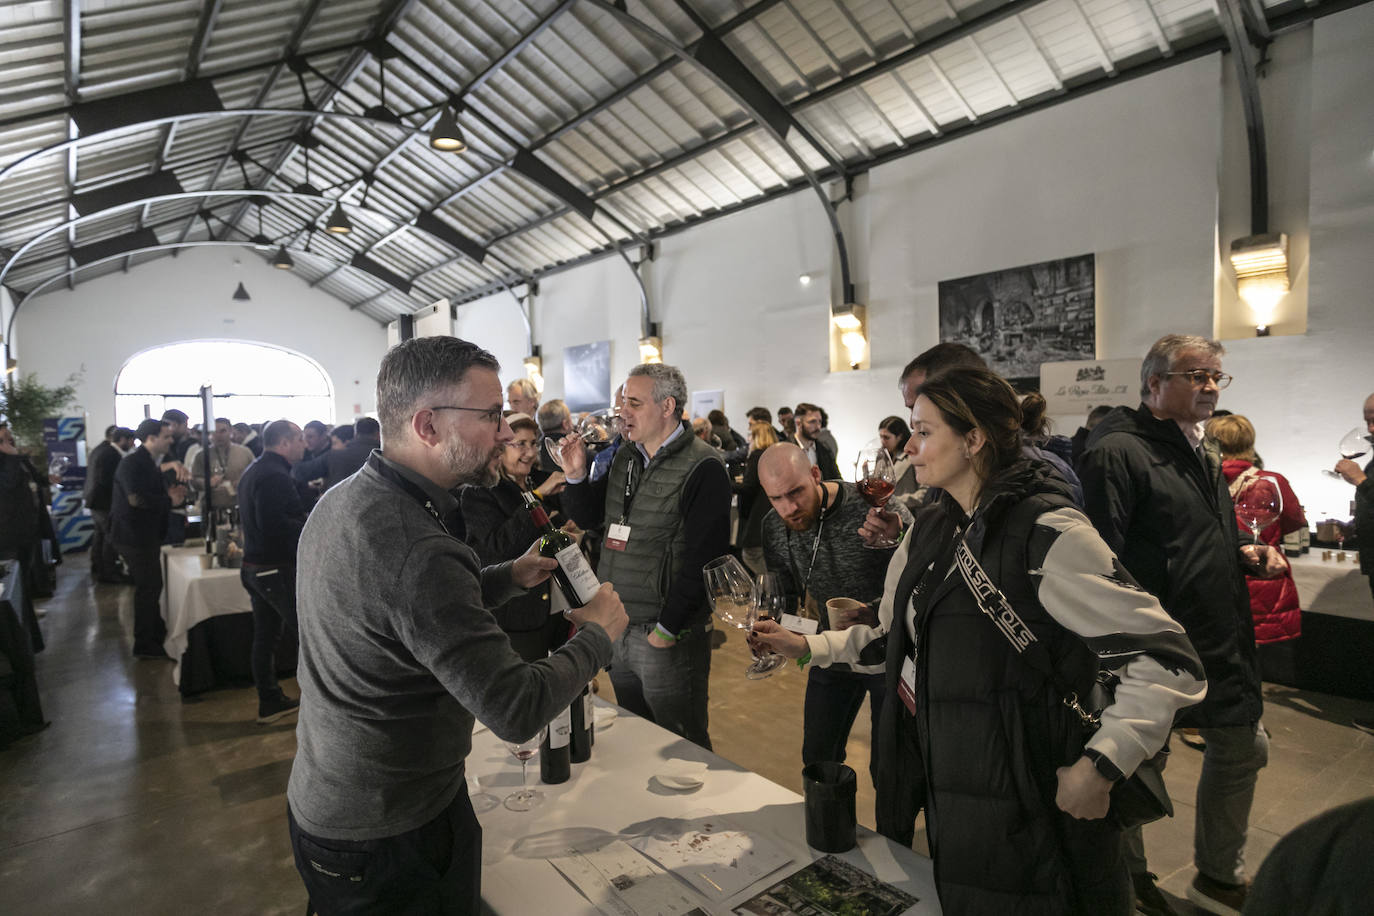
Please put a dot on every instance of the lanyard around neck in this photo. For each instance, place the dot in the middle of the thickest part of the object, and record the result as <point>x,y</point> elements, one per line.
<point>816,544</point>
<point>409,488</point>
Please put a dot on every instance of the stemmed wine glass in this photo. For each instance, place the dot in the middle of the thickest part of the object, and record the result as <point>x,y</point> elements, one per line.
<point>876,479</point>
<point>736,599</point>
<point>1354,444</point>
<point>524,751</point>
<point>596,429</point>
<point>57,468</point>
<point>1258,505</point>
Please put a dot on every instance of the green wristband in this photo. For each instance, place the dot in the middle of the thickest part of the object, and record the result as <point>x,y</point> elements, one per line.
<point>804,660</point>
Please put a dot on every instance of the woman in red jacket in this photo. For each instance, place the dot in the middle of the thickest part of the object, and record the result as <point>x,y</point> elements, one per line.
<point>1273,602</point>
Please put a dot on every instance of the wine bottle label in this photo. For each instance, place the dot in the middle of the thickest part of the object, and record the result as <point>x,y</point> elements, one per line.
<point>587,715</point>
<point>560,729</point>
<point>579,572</point>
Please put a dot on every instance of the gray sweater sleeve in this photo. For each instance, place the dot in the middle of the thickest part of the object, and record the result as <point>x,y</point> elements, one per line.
<point>451,633</point>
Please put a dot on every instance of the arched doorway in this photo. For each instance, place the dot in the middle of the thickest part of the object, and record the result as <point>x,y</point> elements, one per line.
<point>252,382</point>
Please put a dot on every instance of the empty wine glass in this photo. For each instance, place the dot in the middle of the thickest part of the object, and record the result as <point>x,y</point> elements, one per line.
<point>524,751</point>
<point>1354,444</point>
<point>733,596</point>
<point>596,429</point>
<point>482,800</point>
<point>57,468</point>
<point>875,479</point>
<point>1258,505</point>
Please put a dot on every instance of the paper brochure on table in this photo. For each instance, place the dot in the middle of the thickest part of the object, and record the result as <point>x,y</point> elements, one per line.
<point>828,887</point>
<point>621,882</point>
<point>714,855</point>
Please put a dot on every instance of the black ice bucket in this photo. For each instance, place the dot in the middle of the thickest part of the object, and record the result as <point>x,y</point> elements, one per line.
<point>829,789</point>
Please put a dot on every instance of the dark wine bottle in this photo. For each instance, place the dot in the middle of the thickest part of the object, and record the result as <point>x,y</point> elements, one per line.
<point>574,574</point>
<point>555,766</point>
<point>583,728</point>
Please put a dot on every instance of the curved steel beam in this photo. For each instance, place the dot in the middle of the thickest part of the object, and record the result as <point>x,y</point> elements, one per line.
<point>773,121</point>
<point>191,116</point>
<point>169,246</point>
<point>162,198</point>
<point>1231,18</point>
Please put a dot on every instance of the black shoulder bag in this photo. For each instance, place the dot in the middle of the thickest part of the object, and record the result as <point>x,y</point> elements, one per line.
<point>1136,799</point>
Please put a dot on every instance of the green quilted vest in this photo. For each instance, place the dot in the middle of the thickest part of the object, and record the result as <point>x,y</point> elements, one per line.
<point>644,570</point>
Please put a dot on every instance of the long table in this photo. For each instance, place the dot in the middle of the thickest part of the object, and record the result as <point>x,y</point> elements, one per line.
<point>210,624</point>
<point>1332,655</point>
<point>614,796</point>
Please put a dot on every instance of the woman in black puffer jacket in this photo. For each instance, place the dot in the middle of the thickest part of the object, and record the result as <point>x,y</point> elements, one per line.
<point>1016,805</point>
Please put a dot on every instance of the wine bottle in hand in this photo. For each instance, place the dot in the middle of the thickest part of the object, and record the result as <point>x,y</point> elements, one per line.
<point>574,574</point>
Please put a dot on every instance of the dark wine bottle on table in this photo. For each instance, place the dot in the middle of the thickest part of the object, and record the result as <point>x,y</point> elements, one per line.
<point>574,574</point>
<point>583,728</point>
<point>555,765</point>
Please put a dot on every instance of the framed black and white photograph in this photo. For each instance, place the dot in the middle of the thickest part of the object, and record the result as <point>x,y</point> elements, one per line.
<point>1024,316</point>
<point>587,376</point>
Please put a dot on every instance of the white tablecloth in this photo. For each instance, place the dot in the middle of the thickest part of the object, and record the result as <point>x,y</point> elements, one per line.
<point>192,593</point>
<point>614,794</point>
<point>1328,587</point>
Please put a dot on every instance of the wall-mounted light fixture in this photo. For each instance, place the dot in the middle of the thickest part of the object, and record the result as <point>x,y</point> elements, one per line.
<point>849,321</point>
<point>804,279</point>
<point>651,345</point>
<point>1261,265</point>
<point>11,365</point>
<point>534,369</point>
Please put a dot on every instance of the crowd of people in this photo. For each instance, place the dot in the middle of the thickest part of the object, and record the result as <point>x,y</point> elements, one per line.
<point>1027,568</point>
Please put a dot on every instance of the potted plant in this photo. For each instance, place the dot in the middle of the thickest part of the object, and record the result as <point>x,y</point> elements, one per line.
<point>25,402</point>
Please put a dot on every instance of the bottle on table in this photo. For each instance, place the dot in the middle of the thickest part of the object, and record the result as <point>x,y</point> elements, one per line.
<point>555,762</point>
<point>583,728</point>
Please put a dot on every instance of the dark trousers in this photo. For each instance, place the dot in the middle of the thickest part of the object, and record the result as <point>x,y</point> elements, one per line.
<point>104,558</point>
<point>176,529</point>
<point>666,686</point>
<point>145,565</point>
<point>272,592</point>
<point>432,870</point>
<point>833,700</point>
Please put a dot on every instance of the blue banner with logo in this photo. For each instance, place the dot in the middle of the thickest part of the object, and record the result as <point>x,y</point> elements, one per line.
<point>65,440</point>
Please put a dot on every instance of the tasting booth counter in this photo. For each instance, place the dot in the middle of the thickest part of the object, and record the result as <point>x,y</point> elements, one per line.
<point>618,797</point>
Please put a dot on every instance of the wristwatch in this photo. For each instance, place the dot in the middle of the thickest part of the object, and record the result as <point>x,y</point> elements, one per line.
<point>1104,767</point>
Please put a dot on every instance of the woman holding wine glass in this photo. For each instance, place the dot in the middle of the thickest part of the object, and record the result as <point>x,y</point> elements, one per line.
<point>1267,509</point>
<point>1015,792</point>
<point>499,528</point>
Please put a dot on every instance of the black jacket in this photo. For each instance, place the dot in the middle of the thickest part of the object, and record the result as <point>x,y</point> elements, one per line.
<point>989,733</point>
<point>22,490</point>
<point>1364,520</point>
<point>142,522</point>
<point>499,528</point>
<point>100,473</point>
<point>830,470</point>
<point>271,510</point>
<point>1170,519</point>
<point>344,462</point>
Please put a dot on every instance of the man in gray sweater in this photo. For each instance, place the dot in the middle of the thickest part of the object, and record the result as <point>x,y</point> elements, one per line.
<point>399,652</point>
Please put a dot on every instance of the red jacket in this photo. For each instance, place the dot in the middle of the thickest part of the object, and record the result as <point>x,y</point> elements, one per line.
<point>1273,602</point>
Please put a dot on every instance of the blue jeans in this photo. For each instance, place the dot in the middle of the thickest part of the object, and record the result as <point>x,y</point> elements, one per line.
<point>431,870</point>
<point>666,686</point>
<point>272,592</point>
<point>833,699</point>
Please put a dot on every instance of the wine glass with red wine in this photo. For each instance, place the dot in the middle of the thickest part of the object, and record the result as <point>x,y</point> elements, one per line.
<point>524,751</point>
<point>875,479</point>
<point>1354,445</point>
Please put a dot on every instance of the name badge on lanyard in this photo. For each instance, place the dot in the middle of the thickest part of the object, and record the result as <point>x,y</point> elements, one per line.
<point>617,536</point>
<point>906,687</point>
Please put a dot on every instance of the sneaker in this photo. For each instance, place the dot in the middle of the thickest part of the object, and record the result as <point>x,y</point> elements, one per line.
<point>1364,725</point>
<point>279,707</point>
<point>1148,899</point>
<point>1193,738</point>
<point>1216,897</point>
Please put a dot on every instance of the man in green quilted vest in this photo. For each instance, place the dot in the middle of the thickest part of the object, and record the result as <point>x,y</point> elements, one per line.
<point>665,506</point>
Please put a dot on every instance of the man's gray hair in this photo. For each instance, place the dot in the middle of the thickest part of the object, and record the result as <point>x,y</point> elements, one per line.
<point>1165,351</point>
<point>417,369</point>
<point>668,383</point>
<point>551,415</point>
<point>525,387</point>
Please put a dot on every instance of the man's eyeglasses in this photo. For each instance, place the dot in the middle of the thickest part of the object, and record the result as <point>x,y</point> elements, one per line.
<point>1200,377</point>
<point>490,414</point>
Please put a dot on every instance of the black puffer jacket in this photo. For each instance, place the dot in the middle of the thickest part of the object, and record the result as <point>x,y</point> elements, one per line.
<point>980,755</point>
<point>1170,520</point>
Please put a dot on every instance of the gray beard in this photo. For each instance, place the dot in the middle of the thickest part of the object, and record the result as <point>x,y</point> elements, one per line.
<point>470,466</point>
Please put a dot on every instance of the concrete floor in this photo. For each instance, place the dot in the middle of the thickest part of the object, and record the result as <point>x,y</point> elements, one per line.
<point>135,802</point>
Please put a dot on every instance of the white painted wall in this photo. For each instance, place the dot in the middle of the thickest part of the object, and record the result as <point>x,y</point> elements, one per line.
<point>98,326</point>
